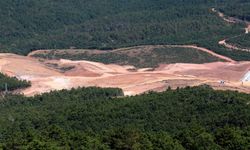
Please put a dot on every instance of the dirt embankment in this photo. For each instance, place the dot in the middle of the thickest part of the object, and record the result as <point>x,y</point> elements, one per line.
<point>45,78</point>
<point>46,75</point>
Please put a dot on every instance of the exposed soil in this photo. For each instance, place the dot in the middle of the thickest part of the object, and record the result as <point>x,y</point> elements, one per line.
<point>45,78</point>
<point>47,75</point>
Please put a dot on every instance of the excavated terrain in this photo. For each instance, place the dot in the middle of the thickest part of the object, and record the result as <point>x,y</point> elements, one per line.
<point>47,75</point>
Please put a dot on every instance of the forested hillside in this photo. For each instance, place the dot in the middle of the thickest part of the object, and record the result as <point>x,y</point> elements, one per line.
<point>94,118</point>
<point>235,8</point>
<point>238,9</point>
<point>241,41</point>
<point>107,24</point>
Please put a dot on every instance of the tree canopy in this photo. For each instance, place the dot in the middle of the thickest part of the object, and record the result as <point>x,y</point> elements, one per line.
<point>95,118</point>
<point>107,24</point>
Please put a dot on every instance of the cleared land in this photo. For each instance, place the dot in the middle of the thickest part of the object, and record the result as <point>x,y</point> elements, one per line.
<point>139,56</point>
<point>47,75</point>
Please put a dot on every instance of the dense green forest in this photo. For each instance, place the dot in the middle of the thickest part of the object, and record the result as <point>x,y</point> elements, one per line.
<point>141,56</point>
<point>107,24</point>
<point>192,118</point>
<point>241,41</point>
<point>95,118</point>
<point>235,8</point>
<point>12,83</point>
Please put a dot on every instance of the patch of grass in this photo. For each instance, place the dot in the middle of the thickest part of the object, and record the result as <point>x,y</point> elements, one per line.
<point>141,57</point>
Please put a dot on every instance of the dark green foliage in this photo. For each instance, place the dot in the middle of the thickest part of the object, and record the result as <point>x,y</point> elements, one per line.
<point>233,138</point>
<point>197,138</point>
<point>236,8</point>
<point>12,83</point>
<point>93,118</point>
<point>241,41</point>
<point>107,24</point>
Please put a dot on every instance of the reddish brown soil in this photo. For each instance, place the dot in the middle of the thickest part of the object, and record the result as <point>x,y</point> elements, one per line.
<point>45,78</point>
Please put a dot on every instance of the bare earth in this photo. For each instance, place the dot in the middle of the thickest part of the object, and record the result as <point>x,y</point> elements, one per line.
<point>47,75</point>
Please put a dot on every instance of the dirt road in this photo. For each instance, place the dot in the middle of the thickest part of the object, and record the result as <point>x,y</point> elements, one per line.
<point>129,50</point>
<point>47,75</point>
<point>205,50</point>
<point>234,47</point>
<point>233,20</point>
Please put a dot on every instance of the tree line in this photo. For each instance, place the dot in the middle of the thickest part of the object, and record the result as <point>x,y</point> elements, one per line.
<point>12,83</point>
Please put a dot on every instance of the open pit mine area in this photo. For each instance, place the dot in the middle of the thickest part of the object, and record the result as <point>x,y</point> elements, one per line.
<point>48,75</point>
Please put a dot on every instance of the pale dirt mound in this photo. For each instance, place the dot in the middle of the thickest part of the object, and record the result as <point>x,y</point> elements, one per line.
<point>217,70</point>
<point>15,65</point>
<point>50,75</point>
<point>54,76</point>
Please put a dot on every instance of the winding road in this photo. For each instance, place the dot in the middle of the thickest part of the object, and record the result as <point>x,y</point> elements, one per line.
<point>86,73</point>
<point>222,42</point>
<point>234,21</point>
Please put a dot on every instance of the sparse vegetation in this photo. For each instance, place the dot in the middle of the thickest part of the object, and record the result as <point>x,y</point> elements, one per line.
<point>141,57</point>
<point>60,68</point>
